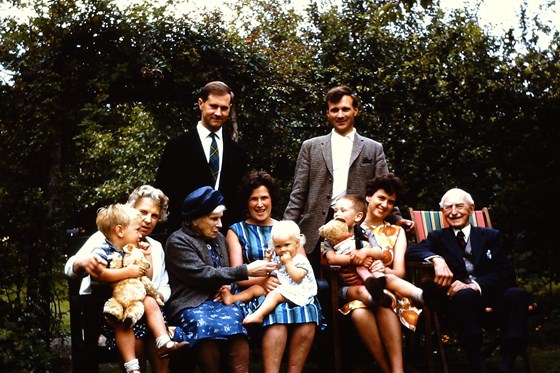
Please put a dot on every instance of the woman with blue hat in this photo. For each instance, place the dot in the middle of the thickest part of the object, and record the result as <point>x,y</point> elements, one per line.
<point>197,263</point>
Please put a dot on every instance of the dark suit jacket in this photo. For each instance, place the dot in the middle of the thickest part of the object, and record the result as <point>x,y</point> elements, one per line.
<point>493,271</point>
<point>311,195</point>
<point>183,168</point>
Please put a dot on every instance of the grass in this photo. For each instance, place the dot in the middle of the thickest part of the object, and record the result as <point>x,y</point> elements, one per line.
<point>543,361</point>
<point>544,347</point>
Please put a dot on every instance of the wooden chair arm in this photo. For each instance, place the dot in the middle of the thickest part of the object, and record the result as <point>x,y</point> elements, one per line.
<point>417,272</point>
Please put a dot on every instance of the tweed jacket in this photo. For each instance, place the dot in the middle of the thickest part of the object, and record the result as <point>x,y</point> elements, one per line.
<point>311,195</point>
<point>192,277</point>
<point>184,168</point>
<point>492,270</point>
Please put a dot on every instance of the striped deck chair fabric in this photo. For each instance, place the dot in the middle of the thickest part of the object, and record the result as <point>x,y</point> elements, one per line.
<point>430,220</point>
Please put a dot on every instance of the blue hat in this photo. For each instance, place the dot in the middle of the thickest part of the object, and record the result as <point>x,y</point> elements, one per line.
<point>201,202</point>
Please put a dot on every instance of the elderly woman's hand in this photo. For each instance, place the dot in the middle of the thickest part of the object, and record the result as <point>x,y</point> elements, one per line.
<point>260,268</point>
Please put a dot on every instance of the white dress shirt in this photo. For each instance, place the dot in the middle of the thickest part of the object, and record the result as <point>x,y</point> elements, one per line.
<point>206,141</point>
<point>341,152</point>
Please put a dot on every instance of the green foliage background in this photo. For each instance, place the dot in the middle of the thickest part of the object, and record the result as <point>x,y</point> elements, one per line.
<point>94,91</point>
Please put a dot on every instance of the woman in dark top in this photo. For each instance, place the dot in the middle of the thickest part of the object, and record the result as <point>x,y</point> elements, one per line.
<point>198,265</point>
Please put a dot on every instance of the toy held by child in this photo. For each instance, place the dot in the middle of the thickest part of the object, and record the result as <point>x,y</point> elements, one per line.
<point>126,304</point>
<point>121,224</point>
<point>352,210</point>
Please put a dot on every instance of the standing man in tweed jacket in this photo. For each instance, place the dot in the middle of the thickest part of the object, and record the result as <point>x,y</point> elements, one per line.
<point>332,165</point>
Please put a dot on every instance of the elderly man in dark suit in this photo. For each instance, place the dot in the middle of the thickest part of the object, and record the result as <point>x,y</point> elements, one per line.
<point>472,273</point>
<point>204,156</point>
<point>333,165</point>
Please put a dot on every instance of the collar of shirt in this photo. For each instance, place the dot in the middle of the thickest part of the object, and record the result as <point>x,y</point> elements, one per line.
<point>466,230</point>
<point>204,134</point>
<point>336,137</point>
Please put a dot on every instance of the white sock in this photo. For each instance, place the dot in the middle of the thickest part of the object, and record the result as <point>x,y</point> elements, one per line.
<point>162,340</point>
<point>132,365</point>
<point>417,296</point>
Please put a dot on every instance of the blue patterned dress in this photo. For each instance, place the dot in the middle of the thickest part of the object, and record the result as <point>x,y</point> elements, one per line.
<point>254,240</point>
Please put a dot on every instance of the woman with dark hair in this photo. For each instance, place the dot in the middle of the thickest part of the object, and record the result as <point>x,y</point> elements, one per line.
<point>248,241</point>
<point>198,265</point>
<point>379,326</point>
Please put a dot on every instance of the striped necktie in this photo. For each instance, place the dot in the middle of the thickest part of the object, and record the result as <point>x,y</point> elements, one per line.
<point>214,161</point>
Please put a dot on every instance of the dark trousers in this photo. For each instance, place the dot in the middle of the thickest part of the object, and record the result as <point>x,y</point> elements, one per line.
<point>315,256</point>
<point>509,313</point>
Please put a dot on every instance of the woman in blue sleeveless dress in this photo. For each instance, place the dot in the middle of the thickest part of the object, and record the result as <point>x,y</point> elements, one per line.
<point>248,240</point>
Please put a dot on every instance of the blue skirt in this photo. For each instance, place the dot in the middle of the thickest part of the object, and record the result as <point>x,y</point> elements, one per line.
<point>210,320</point>
<point>287,312</point>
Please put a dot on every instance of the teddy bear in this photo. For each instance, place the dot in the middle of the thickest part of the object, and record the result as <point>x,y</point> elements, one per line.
<point>126,303</point>
<point>336,233</point>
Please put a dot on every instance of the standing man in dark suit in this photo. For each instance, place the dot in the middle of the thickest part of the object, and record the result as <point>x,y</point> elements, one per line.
<point>333,165</point>
<point>203,156</point>
<point>472,273</point>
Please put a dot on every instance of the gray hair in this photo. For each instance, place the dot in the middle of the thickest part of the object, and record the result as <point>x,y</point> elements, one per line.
<point>155,194</point>
<point>468,197</point>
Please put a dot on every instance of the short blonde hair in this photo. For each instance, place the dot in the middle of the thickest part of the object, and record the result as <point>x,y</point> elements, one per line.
<point>287,228</point>
<point>117,214</point>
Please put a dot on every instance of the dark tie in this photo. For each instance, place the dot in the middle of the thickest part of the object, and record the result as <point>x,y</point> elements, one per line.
<point>461,240</point>
<point>214,161</point>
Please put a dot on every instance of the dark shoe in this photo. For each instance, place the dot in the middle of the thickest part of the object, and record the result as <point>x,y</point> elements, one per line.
<point>170,348</point>
<point>432,295</point>
<point>375,286</point>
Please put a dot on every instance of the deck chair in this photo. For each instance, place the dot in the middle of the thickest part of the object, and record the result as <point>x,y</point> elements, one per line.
<point>426,222</point>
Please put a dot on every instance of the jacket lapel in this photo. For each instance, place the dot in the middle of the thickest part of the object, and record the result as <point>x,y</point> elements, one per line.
<point>326,149</point>
<point>450,241</point>
<point>477,245</point>
<point>357,146</point>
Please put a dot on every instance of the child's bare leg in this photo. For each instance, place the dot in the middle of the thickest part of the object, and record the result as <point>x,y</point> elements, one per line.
<point>271,301</point>
<point>149,346</point>
<point>154,318</point>
<point>405,288</point>
<point>156,323</point>
<point>243,296</point>
<point>363,272</point>
<point>126,343</point>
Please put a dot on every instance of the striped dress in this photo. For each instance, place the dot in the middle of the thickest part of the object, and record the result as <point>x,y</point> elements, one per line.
<point>254,240</point>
